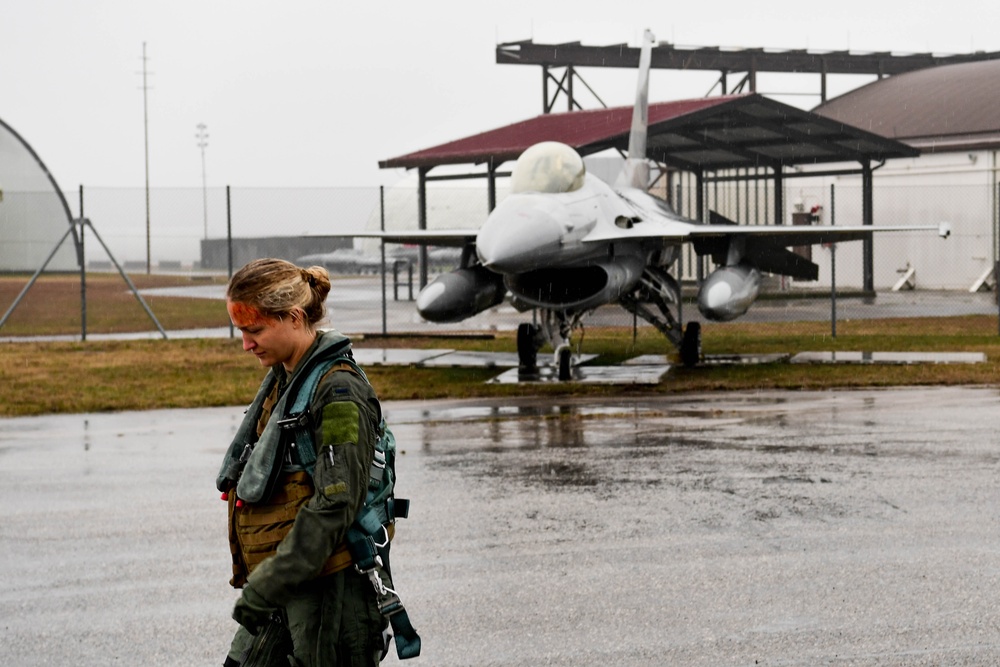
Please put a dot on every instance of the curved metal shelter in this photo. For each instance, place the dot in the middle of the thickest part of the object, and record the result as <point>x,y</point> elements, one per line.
<point>34,214</point>
<point>35,221</point>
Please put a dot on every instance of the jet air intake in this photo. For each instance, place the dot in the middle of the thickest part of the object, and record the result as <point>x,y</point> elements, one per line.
<point>728,292</point>
<point>579,287</point>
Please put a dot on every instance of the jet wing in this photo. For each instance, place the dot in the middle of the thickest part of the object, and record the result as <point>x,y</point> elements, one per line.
<point>792,235</point>
<point>456,238</point>
<point>778,236</point>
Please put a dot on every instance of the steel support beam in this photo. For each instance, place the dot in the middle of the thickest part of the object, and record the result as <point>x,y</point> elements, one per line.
<point>867,218</point>
<point>422,220</point>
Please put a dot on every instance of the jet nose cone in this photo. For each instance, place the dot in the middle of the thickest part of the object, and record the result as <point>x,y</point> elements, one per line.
<point>519,235</point>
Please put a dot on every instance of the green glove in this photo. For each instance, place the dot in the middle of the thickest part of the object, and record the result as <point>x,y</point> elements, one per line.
<point>252,611</point>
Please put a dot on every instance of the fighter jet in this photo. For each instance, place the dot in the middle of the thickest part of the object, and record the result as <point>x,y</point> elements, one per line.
<point>565,242</point>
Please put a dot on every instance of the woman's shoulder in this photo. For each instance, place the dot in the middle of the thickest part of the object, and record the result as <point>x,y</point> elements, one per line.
<point>343,381</point>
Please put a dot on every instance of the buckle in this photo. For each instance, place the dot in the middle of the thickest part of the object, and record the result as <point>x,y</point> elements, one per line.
<point>383,544</point>
<point>293,421</point>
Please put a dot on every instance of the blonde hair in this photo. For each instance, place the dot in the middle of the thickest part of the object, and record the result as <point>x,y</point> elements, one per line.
<point>277,287</point>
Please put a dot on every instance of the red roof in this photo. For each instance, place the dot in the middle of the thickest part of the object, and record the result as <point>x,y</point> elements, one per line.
<point>726,132</point>
<point>579,129</point>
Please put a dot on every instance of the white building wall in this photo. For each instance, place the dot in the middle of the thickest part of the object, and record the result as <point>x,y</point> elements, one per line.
<point>958,188</point>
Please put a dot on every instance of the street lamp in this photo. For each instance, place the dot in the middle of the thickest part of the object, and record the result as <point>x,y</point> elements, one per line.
<point>202,137</point>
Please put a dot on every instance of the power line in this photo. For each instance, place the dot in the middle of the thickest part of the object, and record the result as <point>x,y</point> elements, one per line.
<point>145,125</point>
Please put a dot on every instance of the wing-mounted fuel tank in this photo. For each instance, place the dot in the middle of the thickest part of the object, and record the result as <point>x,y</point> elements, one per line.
<point>462,293</point>
<point>578,287</point>
<point>728,292</point>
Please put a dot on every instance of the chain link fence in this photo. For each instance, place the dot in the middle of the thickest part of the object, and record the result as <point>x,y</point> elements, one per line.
<point>192,230</point>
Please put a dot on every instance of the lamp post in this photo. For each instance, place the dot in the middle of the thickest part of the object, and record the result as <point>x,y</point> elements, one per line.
<point>202,137</point>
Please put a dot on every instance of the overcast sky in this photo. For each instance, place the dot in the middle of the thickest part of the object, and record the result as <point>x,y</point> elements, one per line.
<point>311,93</point>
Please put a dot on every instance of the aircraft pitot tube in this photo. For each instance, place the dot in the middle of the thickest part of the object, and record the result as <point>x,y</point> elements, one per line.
<point>728,292</point>
<point>462,293</point>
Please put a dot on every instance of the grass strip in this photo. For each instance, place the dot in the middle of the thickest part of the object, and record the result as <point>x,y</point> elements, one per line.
<point>100,376</point>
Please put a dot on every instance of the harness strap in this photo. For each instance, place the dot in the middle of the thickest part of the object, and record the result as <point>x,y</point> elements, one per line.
<point>368,556</point>
<point>368,538</point>
<point>407,639</point>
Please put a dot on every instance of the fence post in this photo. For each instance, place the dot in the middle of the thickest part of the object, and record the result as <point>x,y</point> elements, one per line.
<point>381,209</point>
<point>395,280</point>
<point>833,265</point>
<point>83,274</point>
<point>229,249</point>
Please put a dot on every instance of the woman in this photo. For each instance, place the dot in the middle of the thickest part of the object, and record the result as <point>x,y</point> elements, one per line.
<point>290,509</point>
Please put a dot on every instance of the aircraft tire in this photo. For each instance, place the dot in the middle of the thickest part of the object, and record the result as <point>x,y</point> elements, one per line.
<point>565,364</point>
<point>527,348</point>
<point>691,345</point>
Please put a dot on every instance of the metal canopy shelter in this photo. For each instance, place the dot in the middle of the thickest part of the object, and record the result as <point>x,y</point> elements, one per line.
<point>750,62</point>
<point>703,136</point>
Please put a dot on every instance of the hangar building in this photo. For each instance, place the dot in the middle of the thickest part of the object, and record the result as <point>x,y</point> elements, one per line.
<point>949,113</point>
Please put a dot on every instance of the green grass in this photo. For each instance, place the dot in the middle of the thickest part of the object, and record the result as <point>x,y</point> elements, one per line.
<point>96,376</point>
<point>39,378</point>
<point>53,305</point>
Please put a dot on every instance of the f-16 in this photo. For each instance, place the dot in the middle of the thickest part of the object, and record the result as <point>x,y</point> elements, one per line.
<point>565,242</point>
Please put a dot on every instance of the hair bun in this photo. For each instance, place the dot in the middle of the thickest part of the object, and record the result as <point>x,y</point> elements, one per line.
<point>309,277</point>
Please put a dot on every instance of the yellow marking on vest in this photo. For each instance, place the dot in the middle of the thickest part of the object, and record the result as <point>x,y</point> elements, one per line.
<point>334,489</point>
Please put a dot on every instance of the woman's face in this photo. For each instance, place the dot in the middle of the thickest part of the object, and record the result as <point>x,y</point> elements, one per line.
<point>272,340</point>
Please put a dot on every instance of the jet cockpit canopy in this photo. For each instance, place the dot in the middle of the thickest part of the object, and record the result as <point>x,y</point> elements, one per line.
<point>550,167</point>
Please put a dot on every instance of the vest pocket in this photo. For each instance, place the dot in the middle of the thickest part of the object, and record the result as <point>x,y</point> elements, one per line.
<point>260,527</point>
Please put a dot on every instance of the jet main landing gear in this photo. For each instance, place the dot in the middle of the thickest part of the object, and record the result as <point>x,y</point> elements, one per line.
<point>690,348</point>
<point>529,341</point>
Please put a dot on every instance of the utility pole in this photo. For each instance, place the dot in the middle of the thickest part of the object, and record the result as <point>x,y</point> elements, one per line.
<point>202,137</point>
<point>145,125</point>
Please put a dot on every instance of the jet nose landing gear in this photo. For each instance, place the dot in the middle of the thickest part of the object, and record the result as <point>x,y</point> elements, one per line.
<point>531,338</point>
<point>564,361</point>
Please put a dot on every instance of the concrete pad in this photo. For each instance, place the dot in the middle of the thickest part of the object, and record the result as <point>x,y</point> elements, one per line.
<point>588,375</point>
<point>745,359</point>
<point>849,357</point>
<point>475,360</point>
<point>712,359</point>
<point>647,360</point>
<point>381,356</point>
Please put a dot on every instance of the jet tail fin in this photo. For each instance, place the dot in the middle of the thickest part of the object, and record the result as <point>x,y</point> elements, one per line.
<point>636,171</point>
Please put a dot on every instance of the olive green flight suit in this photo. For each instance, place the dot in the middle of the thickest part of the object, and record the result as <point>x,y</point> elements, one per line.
<point>333,619</point>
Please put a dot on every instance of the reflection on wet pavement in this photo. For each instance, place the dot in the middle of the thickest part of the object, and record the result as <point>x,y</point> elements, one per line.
<point>778,528</point>
<point>758,450</point>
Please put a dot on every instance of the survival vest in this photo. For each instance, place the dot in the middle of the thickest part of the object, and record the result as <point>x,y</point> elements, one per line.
<point>368,538</point>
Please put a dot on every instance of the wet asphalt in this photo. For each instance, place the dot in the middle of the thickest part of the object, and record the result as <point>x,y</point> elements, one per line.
<point>772,528</point>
